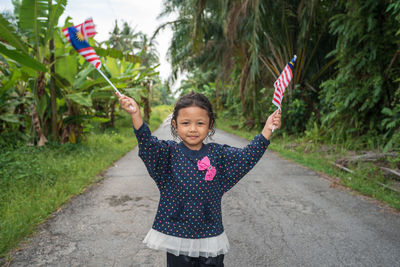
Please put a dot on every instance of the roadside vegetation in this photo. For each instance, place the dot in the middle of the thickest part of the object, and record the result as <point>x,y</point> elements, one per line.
<point>37,181</point>
<point>363,171</point>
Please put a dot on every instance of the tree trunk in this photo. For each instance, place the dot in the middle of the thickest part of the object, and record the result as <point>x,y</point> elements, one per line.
<point>20,109</point>
<point>112,113</point>
<point>72,131</point>
<point>243,84</point>
<point>38,122</point>
<point>146,101</point>
<point>53,94</point>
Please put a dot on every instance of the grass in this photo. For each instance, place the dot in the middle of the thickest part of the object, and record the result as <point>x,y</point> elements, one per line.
<point>366,178</point>
<point>36,181</point>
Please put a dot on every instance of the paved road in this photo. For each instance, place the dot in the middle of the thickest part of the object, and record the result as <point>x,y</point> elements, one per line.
<point>280,214</point>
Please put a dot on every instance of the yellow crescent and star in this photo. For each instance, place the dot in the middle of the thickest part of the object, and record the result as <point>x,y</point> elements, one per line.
<point>79,36</point>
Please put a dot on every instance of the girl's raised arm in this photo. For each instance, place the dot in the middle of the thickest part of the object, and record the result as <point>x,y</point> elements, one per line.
<point>132,108</point>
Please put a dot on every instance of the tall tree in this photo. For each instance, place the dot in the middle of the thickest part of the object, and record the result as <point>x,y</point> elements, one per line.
<point>137,42</point>
<point>248,45</point>
<point>122,39</point>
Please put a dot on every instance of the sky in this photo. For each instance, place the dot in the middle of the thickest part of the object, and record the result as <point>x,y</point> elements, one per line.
<point>140,15</point>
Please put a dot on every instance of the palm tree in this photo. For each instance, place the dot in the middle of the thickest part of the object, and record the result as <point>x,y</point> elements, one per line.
<point>145,49</point>
<point>149,58</point>
<point>122,39</point>
<point>248,45</point>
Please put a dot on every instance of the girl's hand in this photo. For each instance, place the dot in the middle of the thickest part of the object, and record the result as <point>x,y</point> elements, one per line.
<point>273,122</point>
<point>128,104</point>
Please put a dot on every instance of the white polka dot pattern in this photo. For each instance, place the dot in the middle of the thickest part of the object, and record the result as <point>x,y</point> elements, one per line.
<point>190,206</point>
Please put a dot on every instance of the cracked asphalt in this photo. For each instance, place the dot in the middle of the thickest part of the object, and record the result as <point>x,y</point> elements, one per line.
<point>280,214</point>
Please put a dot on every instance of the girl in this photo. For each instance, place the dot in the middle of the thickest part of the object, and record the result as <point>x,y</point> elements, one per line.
<point>192,177</point>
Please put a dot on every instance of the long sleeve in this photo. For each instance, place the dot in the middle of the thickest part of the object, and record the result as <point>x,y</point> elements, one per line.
<point>237,162</point>
<point>154,153</point>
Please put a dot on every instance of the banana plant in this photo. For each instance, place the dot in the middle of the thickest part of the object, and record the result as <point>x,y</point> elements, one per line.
<point>40,18</point>
<point>58,80</point>
<point>135,80</point>
<point>88,97</point>
<point>37,19</point>
<point>13,47</point>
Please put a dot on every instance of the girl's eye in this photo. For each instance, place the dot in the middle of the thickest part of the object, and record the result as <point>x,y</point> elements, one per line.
<point>185,123</point>
<point>201,123</point>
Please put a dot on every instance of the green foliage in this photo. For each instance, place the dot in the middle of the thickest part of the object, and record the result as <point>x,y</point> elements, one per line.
<point>8,35</point>
<point>40,17</point>
<point>15,48</point>
<point>353,101</point>
<point>391,124</point>
<point>81,99</point>
<point>346,73</point>
<point>44,80</point>
<point>295,116</point>
<point>36,181</point>
<point>242,47</point>
<point>161,95</point>
<point>117,54</point>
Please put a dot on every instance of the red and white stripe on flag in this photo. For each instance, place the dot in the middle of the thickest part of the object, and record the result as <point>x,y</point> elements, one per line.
<point>87,29</point>
<point>90,55</point>
<point>281,84</point>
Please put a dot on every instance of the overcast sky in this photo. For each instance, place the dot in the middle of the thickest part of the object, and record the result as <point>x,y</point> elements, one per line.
<point>141,15</point>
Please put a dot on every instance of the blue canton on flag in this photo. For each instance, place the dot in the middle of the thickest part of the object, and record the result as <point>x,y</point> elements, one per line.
<point>82,47</point>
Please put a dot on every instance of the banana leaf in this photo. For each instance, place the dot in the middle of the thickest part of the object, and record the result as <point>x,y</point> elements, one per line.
<point>8,35</point>
<point>82,77</point>
<point>11,118</point>
<point>54,14</point>
<point>7,84</point>
<point>33,17</point>
<point>81,99</point>
<point>21,57</point>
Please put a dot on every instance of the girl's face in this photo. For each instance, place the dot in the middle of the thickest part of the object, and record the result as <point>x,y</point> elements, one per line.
<point>192,126</point>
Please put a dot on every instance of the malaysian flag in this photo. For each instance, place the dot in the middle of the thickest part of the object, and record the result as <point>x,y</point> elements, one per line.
<point>82,46</point>
<point>87,29</point>
<point>282,82</point>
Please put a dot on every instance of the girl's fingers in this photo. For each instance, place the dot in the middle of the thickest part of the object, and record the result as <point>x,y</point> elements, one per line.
<point>127,103</point>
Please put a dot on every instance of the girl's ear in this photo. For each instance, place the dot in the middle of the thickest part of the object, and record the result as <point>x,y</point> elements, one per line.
<point>174,124</point>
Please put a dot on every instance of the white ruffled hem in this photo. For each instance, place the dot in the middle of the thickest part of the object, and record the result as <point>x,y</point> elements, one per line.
<point>204,247</point>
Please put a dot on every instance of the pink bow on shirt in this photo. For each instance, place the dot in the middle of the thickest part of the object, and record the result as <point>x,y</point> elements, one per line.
<point>204,164</point>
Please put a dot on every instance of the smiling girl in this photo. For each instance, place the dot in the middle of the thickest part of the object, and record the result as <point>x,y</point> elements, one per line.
<point>192,177</point>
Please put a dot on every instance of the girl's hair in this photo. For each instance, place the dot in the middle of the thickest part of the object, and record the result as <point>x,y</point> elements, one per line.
<point>193,100</point>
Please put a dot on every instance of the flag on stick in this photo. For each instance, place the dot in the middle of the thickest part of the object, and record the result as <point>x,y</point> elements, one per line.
<point>82,46</point>
<point>78,37</point>
<point>282,83</point>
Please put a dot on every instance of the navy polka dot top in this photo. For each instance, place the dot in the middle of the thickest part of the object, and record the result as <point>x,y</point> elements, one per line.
<point>190,206</point>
